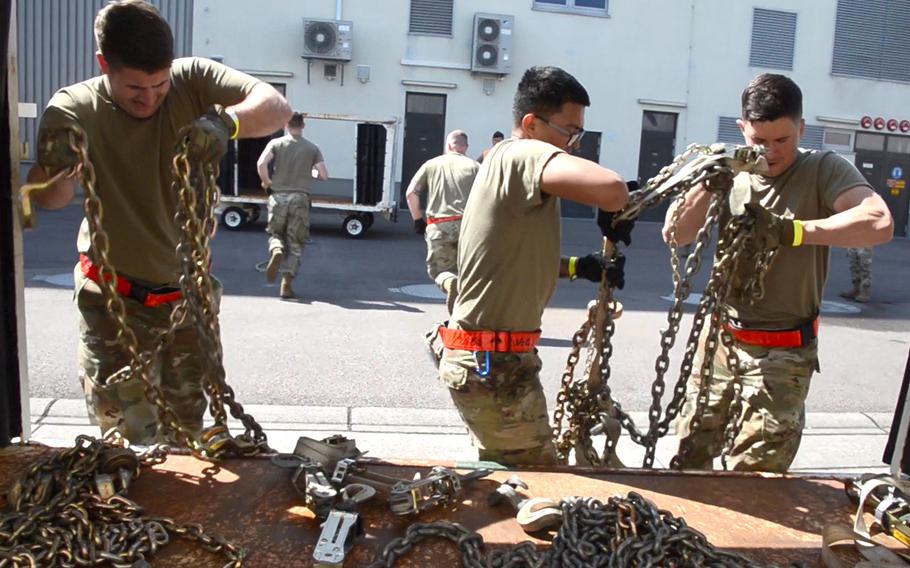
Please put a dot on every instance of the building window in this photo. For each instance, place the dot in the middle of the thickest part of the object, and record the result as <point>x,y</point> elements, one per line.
<point>812,137</point>
<point>870,40</point>
<point>588,7</point>
<point>728,131</point>
<point>773,39</point>
<point>431,17</point>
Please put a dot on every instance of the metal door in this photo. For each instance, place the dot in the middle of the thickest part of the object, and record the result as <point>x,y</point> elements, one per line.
<point>896,170</point>
<point>424,134</point>
<point>658,147</point>
<point>590,150</point>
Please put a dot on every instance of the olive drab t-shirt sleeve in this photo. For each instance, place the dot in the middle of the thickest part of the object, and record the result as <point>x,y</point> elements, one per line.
<point>835,176</point>
<point>214,83</point>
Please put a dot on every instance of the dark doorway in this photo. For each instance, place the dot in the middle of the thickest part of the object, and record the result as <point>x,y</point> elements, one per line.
<point>10,407</point>
<point>244,153</point>
<point>658,147</point>
<point>424,134</point>
<point>885,162</point>
<point>589,150</point>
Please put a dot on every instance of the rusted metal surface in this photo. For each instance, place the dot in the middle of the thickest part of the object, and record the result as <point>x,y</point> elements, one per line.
<point>772,519</point>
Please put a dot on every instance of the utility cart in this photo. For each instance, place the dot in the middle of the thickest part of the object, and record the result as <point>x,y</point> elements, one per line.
<point>371,192</point>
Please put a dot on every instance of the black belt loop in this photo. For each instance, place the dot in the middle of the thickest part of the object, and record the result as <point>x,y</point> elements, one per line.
<point>807,333</point>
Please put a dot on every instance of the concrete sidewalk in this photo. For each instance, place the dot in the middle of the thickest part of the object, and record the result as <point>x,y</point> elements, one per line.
<point>850,442</point>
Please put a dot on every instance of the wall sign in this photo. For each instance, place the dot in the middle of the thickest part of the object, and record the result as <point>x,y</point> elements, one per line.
<point>881,123</point>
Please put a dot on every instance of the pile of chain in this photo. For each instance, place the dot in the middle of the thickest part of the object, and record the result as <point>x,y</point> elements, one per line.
<point>71,509</point>
<point>585,406</point>
<point>624,532</point>
<point>59,510</point>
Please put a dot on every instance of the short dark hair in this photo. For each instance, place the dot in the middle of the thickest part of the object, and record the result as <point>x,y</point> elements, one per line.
<point>769,97</point>
<point>543,90</point>
<point>296,120</point>
<point>132,33</point>
<point>499,134</point>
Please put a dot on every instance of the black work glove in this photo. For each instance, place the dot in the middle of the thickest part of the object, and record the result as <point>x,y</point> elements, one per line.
<point>591,268</point>
<point>771,230</point>
<point>420,226</point>
<point>620,232</point>
<point>55,152</point>
<point>207,138</point>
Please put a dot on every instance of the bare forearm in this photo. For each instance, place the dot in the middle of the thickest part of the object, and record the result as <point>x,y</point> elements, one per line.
<point>691,216</point>
<point>262,112</point>
<point>56,196</point>
<point>861,226</point>
<point>263,170</point>
<point>414,205</point>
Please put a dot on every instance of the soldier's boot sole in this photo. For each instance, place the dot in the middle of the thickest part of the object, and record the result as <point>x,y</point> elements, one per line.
<point>271,271</point>
<point>862,297</point>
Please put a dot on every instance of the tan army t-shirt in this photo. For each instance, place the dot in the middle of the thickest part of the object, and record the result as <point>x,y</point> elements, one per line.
<point>132,159</point>
<point>796,281</point>
<point>508,252</point>
<point>294,158</point>
<point>448,178</point>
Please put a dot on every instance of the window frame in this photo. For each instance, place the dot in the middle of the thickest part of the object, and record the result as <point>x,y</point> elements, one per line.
<point>570,8</point>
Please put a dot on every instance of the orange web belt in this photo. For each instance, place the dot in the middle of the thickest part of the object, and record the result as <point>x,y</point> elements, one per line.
<point>151,297</point>
<point>495,341</point>
<point>434,220</point>
<point>797,337</point>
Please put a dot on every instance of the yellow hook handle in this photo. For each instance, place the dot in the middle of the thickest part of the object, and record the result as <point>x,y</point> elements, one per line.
<point>25,196</point>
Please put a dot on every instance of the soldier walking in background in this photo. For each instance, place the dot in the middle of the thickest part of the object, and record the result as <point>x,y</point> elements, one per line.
<point>295,160</point>
<point>448,179</point>
<point>860,259</point>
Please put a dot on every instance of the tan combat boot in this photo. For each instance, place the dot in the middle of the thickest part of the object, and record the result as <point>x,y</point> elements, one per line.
<point>862,296</point>
<point>271,271</point>
<point>852,293</point>
<point>286,290</point>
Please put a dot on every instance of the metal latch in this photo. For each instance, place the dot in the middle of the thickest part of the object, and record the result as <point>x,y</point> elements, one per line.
<point>338,533</point>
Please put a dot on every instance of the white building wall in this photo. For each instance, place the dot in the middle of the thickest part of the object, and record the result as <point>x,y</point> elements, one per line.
<point>692,55</point>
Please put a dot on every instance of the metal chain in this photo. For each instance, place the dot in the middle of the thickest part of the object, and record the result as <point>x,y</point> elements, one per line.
<point>59,517</point>
<point>71,509</point>
<point>588,400</point>
<point>623,532</point>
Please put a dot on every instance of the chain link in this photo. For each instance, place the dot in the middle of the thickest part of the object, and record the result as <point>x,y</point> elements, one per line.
<point>585,405</point>
<point>64,513</point>
<point>623,532</point>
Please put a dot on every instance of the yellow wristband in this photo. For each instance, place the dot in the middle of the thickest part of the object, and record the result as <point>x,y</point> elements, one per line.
<point>236,120</point>
<point>797,232</point>
<point>572,261</point>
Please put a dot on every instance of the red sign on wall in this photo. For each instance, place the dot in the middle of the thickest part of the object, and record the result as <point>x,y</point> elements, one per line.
<point>880,123</point>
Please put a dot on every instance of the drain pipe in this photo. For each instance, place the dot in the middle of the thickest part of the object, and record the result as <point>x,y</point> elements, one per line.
<point>338,9</point>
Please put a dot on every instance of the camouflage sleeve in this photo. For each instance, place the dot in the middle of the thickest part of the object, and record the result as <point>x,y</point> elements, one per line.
<point>53,152</point>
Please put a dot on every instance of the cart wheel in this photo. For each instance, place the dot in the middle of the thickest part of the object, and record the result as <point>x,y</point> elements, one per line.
<point>233,218</point>
<point>368,219</point>
<point>354,226</point>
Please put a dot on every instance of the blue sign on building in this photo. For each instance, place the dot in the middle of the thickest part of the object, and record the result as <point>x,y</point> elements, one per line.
<point>897,172</point>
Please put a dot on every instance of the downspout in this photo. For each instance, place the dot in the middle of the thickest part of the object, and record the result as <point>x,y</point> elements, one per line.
<point>689,67</point>
<point>338,9</point>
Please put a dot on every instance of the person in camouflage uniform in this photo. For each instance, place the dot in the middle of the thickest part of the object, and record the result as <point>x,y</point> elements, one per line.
<point>295,160</point>
<point>805,203</point>
<point>133,116</point>
<point>509,261</point>
<point>447,179</point>
<point>860,260</point>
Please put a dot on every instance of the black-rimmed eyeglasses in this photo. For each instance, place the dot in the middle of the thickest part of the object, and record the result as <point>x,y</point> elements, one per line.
<point>574,137</point>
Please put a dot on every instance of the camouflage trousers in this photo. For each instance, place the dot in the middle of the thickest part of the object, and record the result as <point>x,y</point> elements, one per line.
<point>775,383</point>
<point>177,370</point>
<point>289,227</point>
<point>442,250</point>
<point>860,260</point>
<point>505,412</point>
